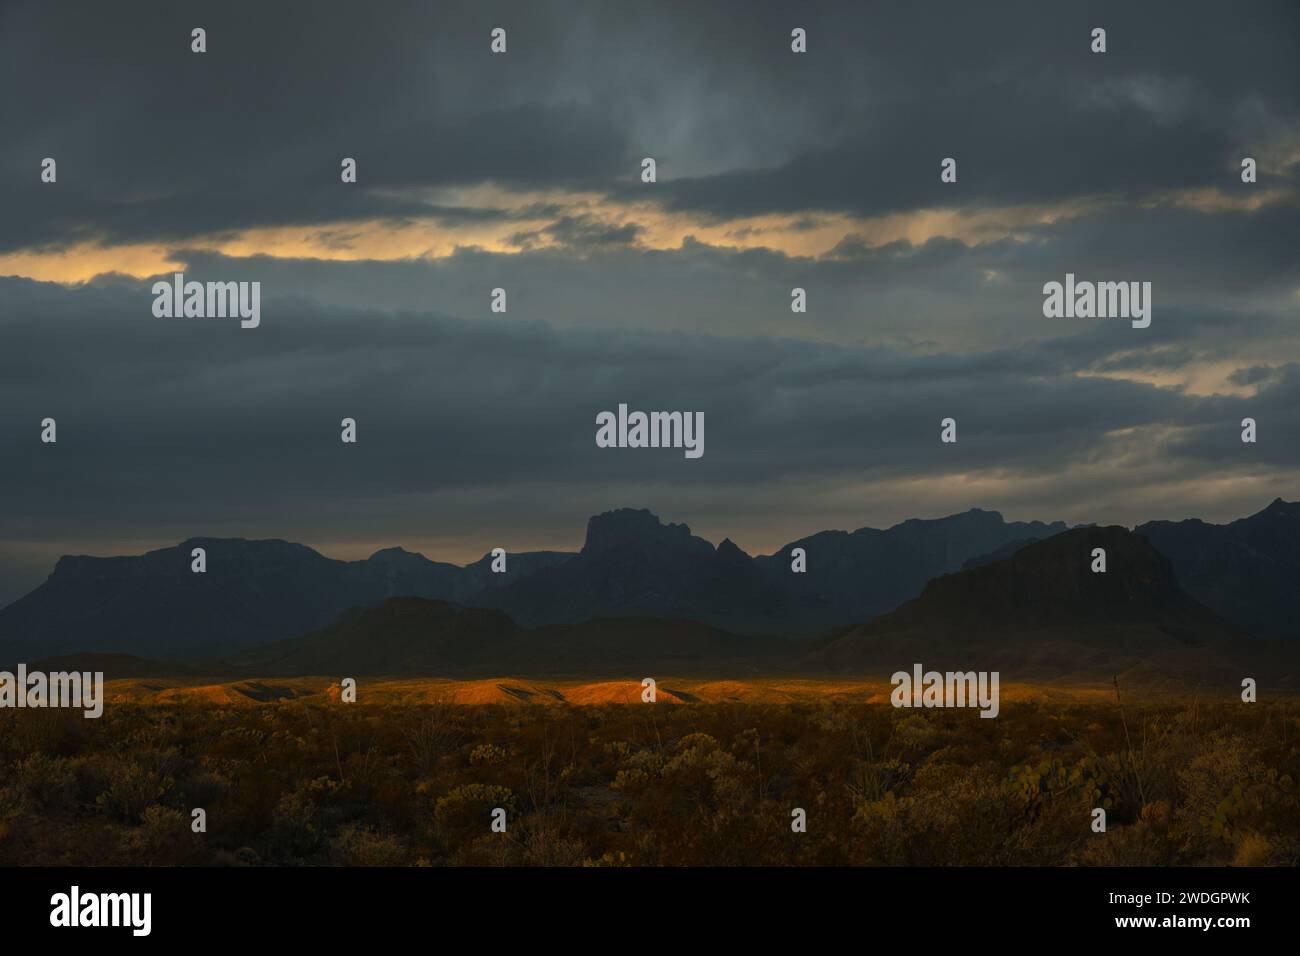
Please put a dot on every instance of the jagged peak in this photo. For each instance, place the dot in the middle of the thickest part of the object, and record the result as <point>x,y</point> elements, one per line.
<point>630,525</point>
<point>729,548</point>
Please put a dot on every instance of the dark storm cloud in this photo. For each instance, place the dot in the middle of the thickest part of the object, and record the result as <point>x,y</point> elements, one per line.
<point>167,419</point>
<point>156,142</point>
<point>1210,436</point>
<point>580,233</point>
<point>1222,280</point>
<point>1255,375</point>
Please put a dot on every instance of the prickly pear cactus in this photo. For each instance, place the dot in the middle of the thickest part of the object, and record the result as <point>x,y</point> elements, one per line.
<point>1034,785</point>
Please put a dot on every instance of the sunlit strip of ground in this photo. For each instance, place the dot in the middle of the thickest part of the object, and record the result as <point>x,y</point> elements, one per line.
<point>572,692</point>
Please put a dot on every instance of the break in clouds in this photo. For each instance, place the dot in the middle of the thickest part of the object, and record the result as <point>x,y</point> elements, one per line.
<point>522,172</point>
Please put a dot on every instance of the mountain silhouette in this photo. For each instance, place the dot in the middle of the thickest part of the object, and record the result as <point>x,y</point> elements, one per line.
<point>633,567</point>
<point>868,572</point>
<point>252,592</point>
<point>1247,570</point>
<point>632,564</point>
<point>1041,614</point>
<point>1044,612</point>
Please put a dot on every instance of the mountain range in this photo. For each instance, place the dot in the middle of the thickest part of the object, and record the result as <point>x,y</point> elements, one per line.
<point>642,591</point>
<point>631,565</point>
<point>1042,614</point>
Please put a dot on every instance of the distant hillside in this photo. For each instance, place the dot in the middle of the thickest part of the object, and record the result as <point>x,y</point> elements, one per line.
<point>867,572</point>
<point>1043,613</point>
<point>399,635</point>
<point>112,666</point>
<point>1248,570</point>
<point>414,636</point>
<point>998,554</point>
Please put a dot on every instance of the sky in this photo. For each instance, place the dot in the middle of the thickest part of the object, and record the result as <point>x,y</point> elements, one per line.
<point>522,171</point>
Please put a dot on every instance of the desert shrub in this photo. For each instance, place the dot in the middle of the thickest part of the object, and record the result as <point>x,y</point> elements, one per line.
<point>870,780</point>
<point>357,845</point>
<point>490,849</point>
<point>1253,812</point>
<point>53,731</point>
<point>131,788</point>
<point>487,755</point>
<point>204,789</point>
<point>12,807</point>
<point>1227,794</point>
<point>545,844</point>
<point>48,783</point>
<point>965,819</point>
<point>1253,850</point>
<point>300,824</point>
<point>637,771</point>
<point>380,784</point>
<point>881,828</point>
<point>916,733</point>
<point>1141,844</point>
<point>163,838</point>
<point>1089,781</point>
<point>708,780</point>
<point>466,811</point>
<point>432,735</point>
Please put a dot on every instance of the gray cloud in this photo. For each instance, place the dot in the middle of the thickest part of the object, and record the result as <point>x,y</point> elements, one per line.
<point>1237,271</point>
<point>156,142</point>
